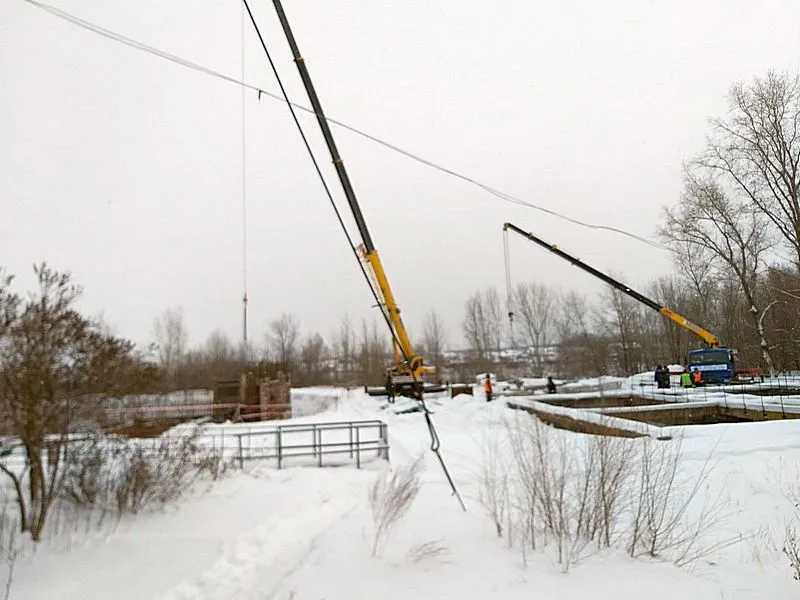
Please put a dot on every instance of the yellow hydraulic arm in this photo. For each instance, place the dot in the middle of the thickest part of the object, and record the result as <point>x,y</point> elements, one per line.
<point>708,337</point>
<point>406,360</point>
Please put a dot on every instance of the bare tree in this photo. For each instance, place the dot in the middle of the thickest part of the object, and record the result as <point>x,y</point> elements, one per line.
<point>535,305</point>
<point>785,316</point>
<point>434,339</point>
<point>733,235</point>
<point>172,339</point>
<point>474,326</point>
<point>692,292</point>
<point>621,322</point>
<point>312,356</point>
<point>757,148</point>
<point>282,340</point>
<point>580,347</point>
<point>345,346</point>
<point>55,367</point>
<point>482,325</point>
<point>695,265</point>
<point>373,352</point>
<point>219,348</point>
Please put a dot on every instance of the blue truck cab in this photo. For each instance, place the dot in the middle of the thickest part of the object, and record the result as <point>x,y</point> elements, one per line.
<point>715,364</point>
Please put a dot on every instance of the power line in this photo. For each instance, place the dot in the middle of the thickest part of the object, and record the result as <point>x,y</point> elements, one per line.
<point>260,91</point>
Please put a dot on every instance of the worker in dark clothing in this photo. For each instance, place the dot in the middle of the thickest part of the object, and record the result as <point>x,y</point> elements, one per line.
<point>487,387</point>
<point>551,385</point>
<point>662,376</point>
<point>389,384</point>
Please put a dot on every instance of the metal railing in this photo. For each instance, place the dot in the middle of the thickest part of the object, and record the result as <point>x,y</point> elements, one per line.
<point>313,440</point>
<point>357,441</point>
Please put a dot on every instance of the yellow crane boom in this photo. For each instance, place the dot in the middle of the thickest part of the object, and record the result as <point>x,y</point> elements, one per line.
<point>409,369</point>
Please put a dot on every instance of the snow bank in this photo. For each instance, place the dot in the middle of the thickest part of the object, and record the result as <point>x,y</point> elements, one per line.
<point>313,401</point>
<point>304,533</point>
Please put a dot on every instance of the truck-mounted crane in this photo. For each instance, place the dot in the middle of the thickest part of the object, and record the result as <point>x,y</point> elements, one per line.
<point>714,362</point>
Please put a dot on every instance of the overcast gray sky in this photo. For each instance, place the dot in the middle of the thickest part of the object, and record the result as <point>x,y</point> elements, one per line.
<point>127,169</point>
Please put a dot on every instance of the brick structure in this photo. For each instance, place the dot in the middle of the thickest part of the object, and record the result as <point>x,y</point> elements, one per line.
<point>256,398</point>
<point>275,397</point>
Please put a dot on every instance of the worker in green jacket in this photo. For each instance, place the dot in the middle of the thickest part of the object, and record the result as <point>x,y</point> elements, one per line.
<point>686,379</point>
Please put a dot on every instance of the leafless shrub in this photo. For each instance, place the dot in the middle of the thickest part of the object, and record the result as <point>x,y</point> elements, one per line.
<point>9,556</point>
<point>523,496</point>
<point>762,546</point>
<point>493,490</point>
<point>213,463</point>
<point>390,498</point>
<point>426,551</point>
<point>157,475</point>
<point>662,523</point>
<point>9,546</point>
<point>132,475</point>
<point>569,491</point>
<point>791,548</point>
<point>9,528</point>
<point>791,542</point>
<point>614,460</point>
<point>564,494</point>
<point>86,474</point>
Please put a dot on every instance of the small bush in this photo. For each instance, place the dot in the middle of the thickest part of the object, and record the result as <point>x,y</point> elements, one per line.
<point>572,491</point>
<point>791,548</point>
<point>152,477</point>
<point>791,543</point>
<point>86,474</point>
<point>426,551</point>
<point>213,463</point>
<point>134,475</point>
<point>566,495</point>
<point>390,498</point>
<point>662,523</point>
<point>493,484</point>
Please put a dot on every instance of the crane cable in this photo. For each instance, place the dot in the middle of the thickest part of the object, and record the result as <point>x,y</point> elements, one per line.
<point>435,441</point>
<point>245,354</point>
<point>509,291</point>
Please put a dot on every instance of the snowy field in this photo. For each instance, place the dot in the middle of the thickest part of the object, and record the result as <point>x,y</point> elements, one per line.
<point>306,533</point>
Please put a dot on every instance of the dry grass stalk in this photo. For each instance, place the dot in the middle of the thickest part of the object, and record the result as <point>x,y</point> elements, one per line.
<point>391,497</point>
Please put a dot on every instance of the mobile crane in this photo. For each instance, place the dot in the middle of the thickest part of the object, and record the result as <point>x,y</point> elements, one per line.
<point>406,377</point>
<point>715,363</point>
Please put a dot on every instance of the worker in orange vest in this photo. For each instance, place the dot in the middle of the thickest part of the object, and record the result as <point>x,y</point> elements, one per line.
<point>487,387</point>
<point>697,377</point>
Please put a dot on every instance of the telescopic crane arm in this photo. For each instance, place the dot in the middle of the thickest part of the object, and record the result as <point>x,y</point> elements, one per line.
<point>708,337</point>
<point>406,360</point>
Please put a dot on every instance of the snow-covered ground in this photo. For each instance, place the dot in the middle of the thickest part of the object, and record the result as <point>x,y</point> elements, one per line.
<point>304,532</point>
